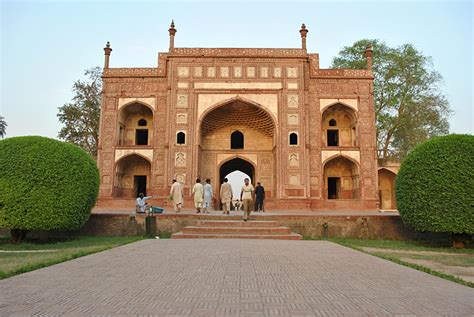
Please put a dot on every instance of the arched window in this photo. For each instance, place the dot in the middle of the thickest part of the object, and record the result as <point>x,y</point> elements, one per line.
<point>142,123</point>
<point>180,138</point>
<point>293,139</point>
<point>332,123</point>
<point>237,140</point>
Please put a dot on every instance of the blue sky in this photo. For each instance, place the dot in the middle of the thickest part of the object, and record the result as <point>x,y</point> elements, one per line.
<point>47,45</point>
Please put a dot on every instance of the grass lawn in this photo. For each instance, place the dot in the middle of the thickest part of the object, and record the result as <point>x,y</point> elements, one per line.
<point>24,257</point>
<point>439,261</point>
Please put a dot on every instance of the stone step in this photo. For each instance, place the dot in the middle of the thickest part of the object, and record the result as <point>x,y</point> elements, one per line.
<point>238,230</point>
<point>181,235</point>
<point>236,223</point>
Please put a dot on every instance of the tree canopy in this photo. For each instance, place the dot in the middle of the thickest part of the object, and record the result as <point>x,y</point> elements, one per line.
<point>45,184</point>
<point>409,106</point>
<point>81,116</point>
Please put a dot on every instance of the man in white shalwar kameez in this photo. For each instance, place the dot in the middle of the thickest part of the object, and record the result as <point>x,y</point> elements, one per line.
<point>198,192</point>
<point>176,195</point>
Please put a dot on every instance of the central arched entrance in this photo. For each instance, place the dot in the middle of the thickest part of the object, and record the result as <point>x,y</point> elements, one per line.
<point>238,135</point>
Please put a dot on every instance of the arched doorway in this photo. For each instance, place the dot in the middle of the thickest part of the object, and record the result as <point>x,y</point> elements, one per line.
<point>132,176</point>
<point>339,124</point>
<point>135,125</point>
<point>387,189</point>
<point>229,169</point>
<point>341,177</point>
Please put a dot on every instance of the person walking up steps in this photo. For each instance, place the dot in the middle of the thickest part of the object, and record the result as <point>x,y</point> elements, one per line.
<point>198,192</point>
<point>246,194</point>
<point>226,196</point>
<point>176,195</point>
<point>208,195</point>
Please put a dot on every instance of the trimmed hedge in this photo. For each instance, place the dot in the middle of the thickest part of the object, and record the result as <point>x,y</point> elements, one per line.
<point>435,186</point>
<point>45,184</point>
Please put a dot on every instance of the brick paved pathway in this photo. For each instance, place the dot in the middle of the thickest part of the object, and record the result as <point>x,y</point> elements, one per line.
<point>232,278</point>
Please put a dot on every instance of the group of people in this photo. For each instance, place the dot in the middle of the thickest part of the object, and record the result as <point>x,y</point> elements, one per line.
<point>203,196</point>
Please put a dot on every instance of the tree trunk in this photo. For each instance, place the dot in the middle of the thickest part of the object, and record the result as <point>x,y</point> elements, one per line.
<point>18,235</point>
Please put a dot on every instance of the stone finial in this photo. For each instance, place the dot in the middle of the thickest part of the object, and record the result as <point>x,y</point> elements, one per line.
<point>368,56</point>
<point>107,51</point>
<point>303,33</point>
<point>172,32</point>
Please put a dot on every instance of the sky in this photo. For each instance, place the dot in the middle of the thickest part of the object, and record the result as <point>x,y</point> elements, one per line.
<point>47,45</point>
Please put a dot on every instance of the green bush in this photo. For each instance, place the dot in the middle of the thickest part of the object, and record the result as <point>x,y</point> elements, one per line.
<point>45,184</point>
<point>435,186</point>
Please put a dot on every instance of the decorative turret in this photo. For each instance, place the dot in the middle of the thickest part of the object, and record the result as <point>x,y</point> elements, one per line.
<point>303,33</point>
<point>368,56</point>
<point>172,31</point>
<point>107,51</point>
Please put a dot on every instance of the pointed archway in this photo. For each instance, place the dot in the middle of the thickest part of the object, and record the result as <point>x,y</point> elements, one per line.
<point>236,164</point>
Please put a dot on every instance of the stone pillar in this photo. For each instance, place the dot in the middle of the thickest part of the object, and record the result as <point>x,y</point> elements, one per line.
<point>107,51</point>
<point>303,33</point>
<point>368,55</point>
<point>172,31</point>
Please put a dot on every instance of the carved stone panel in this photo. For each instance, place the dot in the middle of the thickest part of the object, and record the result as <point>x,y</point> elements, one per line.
<point>293,160</point>
<point>237,71</point>
<point>211,72</point>
<point>294,179</point>
<point>264,72</point>
<point>183,71</point>
<point>180,159</point>
<point>293,119</point>
<point>250,71</point>
<point>182,118</point>
<point>198,71</point>
<point>225,71</point>
<point>277,72</point>
<point>292,72</point>
<point>293,101</point>
<point>182,101</point>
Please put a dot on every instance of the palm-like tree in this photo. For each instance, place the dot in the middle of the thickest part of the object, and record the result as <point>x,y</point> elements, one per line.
<point>3,127</point>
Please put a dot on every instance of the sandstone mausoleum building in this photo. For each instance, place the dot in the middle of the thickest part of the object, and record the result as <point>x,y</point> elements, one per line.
<point>307,134</point>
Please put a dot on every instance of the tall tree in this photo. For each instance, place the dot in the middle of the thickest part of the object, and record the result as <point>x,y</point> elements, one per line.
<point>409,106</point>
<point>3,127</point>
<point>81,116</point>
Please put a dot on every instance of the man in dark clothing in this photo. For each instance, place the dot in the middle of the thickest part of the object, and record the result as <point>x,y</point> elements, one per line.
<point>259,197</point>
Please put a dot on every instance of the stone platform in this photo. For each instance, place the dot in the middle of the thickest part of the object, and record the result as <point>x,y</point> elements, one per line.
<point>236,229</point>
<point>321,224</point>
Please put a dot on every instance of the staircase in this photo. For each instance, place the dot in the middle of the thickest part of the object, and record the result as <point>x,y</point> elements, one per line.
<point>236,229</point>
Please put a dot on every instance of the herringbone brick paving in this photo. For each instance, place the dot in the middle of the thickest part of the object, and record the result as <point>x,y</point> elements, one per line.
<point>232,278</point>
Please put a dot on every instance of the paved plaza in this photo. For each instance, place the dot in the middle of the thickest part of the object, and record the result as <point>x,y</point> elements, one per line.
<point>232,278</point>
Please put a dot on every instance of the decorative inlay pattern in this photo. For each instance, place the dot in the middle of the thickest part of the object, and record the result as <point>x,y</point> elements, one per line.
<point>293,101</point>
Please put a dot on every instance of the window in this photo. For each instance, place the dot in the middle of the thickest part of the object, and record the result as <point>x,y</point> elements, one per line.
<point>332,123</point>
<point>333,137</point>
<point>237,140</point>
<point>142,123</point>
<point>293,139</point>
<point>141,137</point>
<point>180,138</point>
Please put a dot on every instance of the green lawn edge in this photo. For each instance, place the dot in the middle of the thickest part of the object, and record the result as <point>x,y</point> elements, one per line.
<point>394,259</point>
<point>36,266</point>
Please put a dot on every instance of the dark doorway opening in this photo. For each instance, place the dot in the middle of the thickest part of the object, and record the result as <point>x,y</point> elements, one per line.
<point>141,137</point>
<point>233,165</point>
<point>333,187</point>
<point>333,137</point>
<point>140,184</point>
<point>237,140</point>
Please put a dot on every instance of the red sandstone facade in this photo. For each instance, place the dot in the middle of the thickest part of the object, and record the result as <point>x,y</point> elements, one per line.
<point>307,134</point>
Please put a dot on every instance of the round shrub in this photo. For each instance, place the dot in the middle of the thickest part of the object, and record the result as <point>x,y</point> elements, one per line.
<point>435,186</point>
<point>45,184</point>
